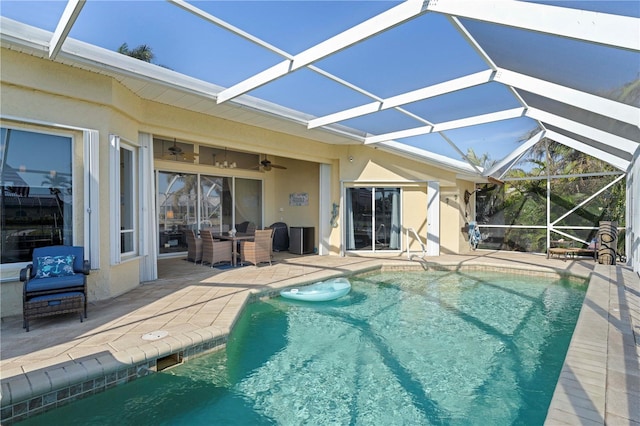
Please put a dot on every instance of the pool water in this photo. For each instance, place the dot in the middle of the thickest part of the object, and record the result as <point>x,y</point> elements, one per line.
<point>403,348</point>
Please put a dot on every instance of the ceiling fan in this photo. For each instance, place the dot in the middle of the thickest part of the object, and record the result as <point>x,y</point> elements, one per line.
<point>175,151</point>
<point>267,165</point>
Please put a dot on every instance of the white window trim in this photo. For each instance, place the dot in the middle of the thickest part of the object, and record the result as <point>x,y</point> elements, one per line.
<point>147,227</point>
<point>114,198</point>
<point>134,189</point>
<point>92,197</point>
<point>115,223</point>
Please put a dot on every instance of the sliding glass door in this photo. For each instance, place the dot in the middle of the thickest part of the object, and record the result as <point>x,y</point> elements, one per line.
<point>373,219</point>
<point>190,202</point>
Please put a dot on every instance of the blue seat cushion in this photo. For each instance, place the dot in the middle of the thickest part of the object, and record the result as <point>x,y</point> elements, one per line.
<point>55,283</point>
<point>54,299</point>
<point>76,251</point>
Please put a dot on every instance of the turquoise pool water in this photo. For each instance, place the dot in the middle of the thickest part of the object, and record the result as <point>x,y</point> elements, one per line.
<point>403,348</point>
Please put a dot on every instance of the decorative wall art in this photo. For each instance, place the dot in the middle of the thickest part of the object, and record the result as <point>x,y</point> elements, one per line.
<point>299,199</point>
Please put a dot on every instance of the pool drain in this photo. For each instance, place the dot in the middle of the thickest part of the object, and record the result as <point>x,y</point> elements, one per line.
<point>155,335</point>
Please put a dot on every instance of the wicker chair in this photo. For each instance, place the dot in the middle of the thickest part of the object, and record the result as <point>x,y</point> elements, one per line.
<point>214,252</point>
<point>55,283</point>
<point>194,247</point>
<point>251,229</point>
<point>258,250</point>
<point>246,228</point>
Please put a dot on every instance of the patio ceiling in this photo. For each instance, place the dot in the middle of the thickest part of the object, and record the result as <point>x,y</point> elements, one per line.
<point>431,80</point>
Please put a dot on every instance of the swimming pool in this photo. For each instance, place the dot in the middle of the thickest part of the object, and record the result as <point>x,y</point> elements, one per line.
<point>401,348</point>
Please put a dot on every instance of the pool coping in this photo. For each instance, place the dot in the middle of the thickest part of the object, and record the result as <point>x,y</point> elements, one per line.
<point>600,379</point>
<point>31,393</point>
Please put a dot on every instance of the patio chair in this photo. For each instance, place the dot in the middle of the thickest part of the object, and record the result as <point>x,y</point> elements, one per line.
<point>246,227</point>
<point>215,251</point>
<point>54,283</point>
<point>194,247</point>
<point>258,250</point>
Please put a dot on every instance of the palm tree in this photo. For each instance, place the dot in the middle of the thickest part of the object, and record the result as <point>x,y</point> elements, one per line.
<point>485,161</point>
<point>142,52</point>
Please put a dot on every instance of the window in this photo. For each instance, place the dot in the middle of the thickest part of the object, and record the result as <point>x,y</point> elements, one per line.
<point>228,159</point>
<point>36,203</point>
<point>173,150</point>
<point>123,170</point>
<point>128,203</point>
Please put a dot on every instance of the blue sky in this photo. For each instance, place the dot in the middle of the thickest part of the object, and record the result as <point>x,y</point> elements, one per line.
<point>423,52</point>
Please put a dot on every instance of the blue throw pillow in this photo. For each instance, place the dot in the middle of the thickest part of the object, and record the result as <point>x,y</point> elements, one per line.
<point>55,266</point>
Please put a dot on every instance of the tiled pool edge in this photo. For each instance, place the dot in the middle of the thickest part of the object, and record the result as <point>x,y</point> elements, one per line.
<point>600,379</point>
<point>39,391</point>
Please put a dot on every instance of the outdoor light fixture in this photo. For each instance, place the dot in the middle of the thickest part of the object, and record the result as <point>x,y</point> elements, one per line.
<point>225,164</point>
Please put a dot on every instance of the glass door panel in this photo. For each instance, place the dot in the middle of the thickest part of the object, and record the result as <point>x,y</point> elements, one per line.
<point>177,209</point>
<point>215,200</point>
<point>387,218</point>
<point>248,201</point>
<point>360,217</point>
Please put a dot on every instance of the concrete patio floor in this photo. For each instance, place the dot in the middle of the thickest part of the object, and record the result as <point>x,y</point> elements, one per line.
<point>61,359</point>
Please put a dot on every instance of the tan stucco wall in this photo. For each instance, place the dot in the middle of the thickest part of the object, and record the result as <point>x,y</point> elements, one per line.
<point>300,177</point>
<point>33,89</point>
<point>453,219</point>
<point>414,214</point>
<point>377,165</point>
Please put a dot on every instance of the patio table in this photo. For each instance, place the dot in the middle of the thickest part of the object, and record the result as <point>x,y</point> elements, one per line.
<point>236,241</point>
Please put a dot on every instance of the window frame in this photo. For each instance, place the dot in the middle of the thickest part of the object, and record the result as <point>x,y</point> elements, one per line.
<point>133,198</point>
<point>116,145</point>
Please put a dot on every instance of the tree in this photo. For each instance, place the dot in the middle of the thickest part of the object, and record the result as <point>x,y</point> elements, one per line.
<point>142,52</point>
<point>483,161</point>
<point>522,201</point>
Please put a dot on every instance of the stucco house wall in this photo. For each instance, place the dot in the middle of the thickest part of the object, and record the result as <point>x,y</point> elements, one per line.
<point>42,95</point>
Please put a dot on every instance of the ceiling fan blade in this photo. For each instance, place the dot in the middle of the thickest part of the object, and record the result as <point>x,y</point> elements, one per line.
<point>275,166</point>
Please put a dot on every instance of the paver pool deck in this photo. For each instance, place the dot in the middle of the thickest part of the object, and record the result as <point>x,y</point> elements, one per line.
<point>61,359</point>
